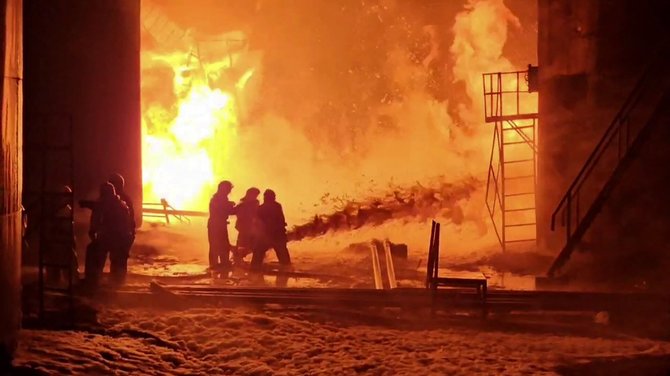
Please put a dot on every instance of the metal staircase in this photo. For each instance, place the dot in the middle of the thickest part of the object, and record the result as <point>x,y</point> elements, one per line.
<point>612,156</point>
<point>510,103</point>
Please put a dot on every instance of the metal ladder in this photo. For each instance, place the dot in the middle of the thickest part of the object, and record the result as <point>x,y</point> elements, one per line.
<point>511,183</point>
<point>51,191</point>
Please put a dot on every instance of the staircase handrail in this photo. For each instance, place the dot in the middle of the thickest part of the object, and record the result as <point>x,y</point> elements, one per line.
<point>619,120</point>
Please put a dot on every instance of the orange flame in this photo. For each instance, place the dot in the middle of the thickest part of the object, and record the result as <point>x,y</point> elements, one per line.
<point>192,135</point>
<point>187,145</point>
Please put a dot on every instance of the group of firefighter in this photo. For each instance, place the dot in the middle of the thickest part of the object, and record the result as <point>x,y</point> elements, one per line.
<point>112,232</point>
<point>260,227</point>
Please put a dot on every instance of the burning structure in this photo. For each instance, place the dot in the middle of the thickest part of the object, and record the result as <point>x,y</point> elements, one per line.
<point>362,115</point>
<point>320,113</point>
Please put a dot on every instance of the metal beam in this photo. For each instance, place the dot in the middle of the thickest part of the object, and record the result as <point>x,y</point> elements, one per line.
<point>187,213</point>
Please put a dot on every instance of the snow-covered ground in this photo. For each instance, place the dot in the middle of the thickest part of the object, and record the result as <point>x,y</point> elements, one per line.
<point>180,250</point>
<point>302,341</point>
<point>276,340</point>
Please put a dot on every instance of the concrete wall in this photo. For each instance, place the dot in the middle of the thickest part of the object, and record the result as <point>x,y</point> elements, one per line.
<point>10,178</point>
<point>82,62</point>
<point>628,244</point>
<point>591,53</point>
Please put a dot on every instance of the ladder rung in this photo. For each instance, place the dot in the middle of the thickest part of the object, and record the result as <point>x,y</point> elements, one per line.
<point>51,149</point>
<point>520,240</point>
<point>518,142</point>
<point>522,224</point>
<point>48,193</point>
<point>520,209</point>
<point>59,219</point>
<point>520,194</point>
<point>518,127</point>
<point>54,265</point>
<point>520,160</point>
<point>519,177</point>
<point>57,289</point>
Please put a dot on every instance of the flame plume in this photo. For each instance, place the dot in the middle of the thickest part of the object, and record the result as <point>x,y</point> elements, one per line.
<point>319,108</point>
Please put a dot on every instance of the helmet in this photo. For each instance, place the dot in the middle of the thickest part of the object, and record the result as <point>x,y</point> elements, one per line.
<point>225,186</point>
<point>252,192</point>
<point>107,190</point>
<point>117,181</point>
<point>269,195</point>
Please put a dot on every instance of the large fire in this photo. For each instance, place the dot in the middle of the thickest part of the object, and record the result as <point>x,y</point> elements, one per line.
<point>321,112</point>
<point>187,146</point>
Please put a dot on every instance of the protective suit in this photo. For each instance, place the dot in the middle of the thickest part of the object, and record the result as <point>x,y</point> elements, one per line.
<point>247,224</point>
<point>220,208</point>
<point>110,234</point>
<point>273,232</point>
<point>59,241</point>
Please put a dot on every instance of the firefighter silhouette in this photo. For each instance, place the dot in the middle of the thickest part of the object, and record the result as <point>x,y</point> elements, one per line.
<point>220,208</point>
<point>247,223</point>
<point>110,233</point>
<point>60,255</point>
<point>272,232</point>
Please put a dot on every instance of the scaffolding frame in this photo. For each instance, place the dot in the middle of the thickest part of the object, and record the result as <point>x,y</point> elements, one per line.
<point>512,173</point>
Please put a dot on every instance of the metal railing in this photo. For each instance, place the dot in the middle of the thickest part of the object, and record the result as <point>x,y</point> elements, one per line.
<point>494,187</point>
<point>509,97</point>
<point>508,94</point>
<point>164,210</point>
<point>575,210</point>
<point>433,263</point>
<point>51,154</point>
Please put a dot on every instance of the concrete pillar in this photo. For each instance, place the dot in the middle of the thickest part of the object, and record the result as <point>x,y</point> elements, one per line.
<point>591,54</point>
<point>83,61</point>
<point>567,51</point>
<point>11,177</point>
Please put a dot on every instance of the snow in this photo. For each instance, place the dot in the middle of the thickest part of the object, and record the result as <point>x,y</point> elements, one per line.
<point>276,340</point>
<point>302,341</point>
<point>180,251</point>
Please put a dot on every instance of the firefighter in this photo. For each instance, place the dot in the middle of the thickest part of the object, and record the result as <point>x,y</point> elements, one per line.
<point>273,232</point>
<point>110,233</point>
<point>119,184</point>
<point>247,222</point>
<point>220,208</point>
<point>60,254</point>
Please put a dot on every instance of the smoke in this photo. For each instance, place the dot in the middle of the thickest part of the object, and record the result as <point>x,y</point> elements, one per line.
<point>413,203</point>
<point>480,33</point>
<point>346,99</point>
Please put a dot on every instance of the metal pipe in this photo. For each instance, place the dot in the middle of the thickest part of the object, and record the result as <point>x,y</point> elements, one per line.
<point>376,267</point>
<point>390,268</point>
<point>187,213</point>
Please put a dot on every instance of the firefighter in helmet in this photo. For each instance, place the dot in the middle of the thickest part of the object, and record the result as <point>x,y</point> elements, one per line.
<point>110,233</point>
<point>273,232</point>
<point>247,222</point>
<point>220,208</point>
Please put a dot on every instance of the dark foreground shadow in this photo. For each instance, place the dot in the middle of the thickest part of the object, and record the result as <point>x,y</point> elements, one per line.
<point>22,371</point>
<point>640,365</point>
